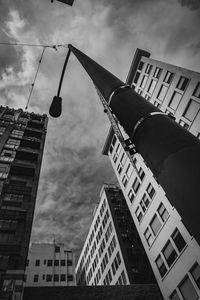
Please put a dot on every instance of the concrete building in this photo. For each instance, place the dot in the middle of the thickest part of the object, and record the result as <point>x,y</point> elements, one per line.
<point>172,251</point>
<point>22,137</point>
<point>113,253</point>
<point>50,265</point>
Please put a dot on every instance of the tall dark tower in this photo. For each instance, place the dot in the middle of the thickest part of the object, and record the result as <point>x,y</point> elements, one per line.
<point>22,138</point>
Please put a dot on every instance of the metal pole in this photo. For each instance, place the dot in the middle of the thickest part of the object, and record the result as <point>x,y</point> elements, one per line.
<point>171,152</point>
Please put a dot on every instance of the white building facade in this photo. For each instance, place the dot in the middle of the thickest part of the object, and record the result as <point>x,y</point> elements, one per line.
<point>50,265</point>
<point>172,251</point>
<point>112,253</point>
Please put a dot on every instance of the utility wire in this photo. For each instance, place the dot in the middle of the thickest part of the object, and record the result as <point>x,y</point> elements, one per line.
<point>32,45</point>
<point>32,85</point>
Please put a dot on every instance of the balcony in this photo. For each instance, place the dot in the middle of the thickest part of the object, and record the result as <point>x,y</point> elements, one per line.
<point>35,125</point>
<point>31,143</point>
<point>32,134</point>
<point>22,171</point>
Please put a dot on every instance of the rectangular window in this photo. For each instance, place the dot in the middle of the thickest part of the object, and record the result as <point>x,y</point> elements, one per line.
<point>69,262</point>
<point>57,249</point>
<point>144,81</point>
<point>17,133</point>
<point>62,277</point>
<point>168,77</point>
<point>35,278</point>
<point>70,278</point>
<point>148,69</point>
<point>187,290</point>
<point>56,262</point>
<point>56,277</point>
<point>157,72</point>
<point>162,92</point>
<point>138,214</point>
<point>2,129</point>
<point>150,191</point>
<point>191,110</point>
<point>49,262</point>
<point>144,203</point>
<point>123,159</point>
<point>136,77</point>
<point>155,224</point>
<point>182,83</point>
<point>4,170</point>
<point>12,143</point>
<point>141,173</point>
<point>37,262</point>
<point>140,66</point>
<point>119,168</point>
<point>136,185</point>
<point>124,181</point>
<point>148,236</point>
<point>49,278</point>
<point>169,253</point>
<point>175,100</point>
<point>174,296</point>
<point>178,240</point>
<point>131,195</point>
<point>163,212</point>
<point>152,86</point>
<point>161,266</point>
<point>197,90</point>
<point>195,271</point>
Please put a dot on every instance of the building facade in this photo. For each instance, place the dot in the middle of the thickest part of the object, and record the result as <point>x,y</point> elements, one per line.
<point>113,253</point>
<point>50,265</point>
<point>22,138</point>
<point>173,252</point>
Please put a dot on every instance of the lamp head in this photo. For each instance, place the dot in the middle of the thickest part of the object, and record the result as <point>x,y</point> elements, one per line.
<point>56,107</point>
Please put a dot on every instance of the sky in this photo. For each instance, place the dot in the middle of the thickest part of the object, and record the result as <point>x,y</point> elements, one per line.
<point>109,31</point>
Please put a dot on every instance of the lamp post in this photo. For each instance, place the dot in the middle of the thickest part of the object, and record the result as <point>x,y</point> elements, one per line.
<point>171,152</point>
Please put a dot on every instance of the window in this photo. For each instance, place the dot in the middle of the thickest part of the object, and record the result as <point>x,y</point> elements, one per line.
<point>4,169</point>
<point>35,278</point>
<point>144,203</point>
<point>2,129</point>
<point>178,240</point>
<point>148,236</point>
<point>37,262</point>
<point>141,173</point>
<point>56,277</point>
<point>148,68</point>
<point>12,143</point>
<point>124,181</point>
<point>131,195</point>
<point>63,262</point>
<point>150,190</point>
<point>191,110</point>
<point>162,92</point>
<point>70,278</point>
<point>129,171</point>
<point>163,212</point>
<point>147,97</point>
<point>141,64</point>
<point>136,185</point>
<point>119,168</point>
<point>49,262</point>
<point>56,262</point>
<point>169,253</point>
<point>182,83</point>
<point>197,90</point>
<point>195,271</point>
<point>13,198</point>
<point>155,224</point>
<point>17,133</point>
<point>157,72</point>
<point>187,290</point>
<point>138,214</point>
<point>123,159</point>
<point>174,102</point>
<point>7,155</point>
<point>161,266</point>
<point>136,77</point>
<point>144,81</point>
<point>152,86</point>
<point>69,262</point>
<point>174,296</point>
<point>62,277</point>
<point>168,77</point>
<point>57,249</point>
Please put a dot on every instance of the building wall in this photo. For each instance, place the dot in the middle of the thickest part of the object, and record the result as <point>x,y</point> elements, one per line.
<point>168,242</point>
<point>50,265</point>
<point>105,258</point>
<point>22,137</point>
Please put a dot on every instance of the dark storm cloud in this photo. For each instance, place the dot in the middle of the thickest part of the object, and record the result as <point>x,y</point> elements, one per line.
<point>191,4</point>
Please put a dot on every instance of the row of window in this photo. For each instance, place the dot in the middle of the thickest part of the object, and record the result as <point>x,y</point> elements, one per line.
<point>122,279</point>
<point>116,263</point>
<point>170,252</point>
<point>156,223</point>
<point>112,246</point>
<point>189,287</point>
<point>145,202</point>
<point>51,262</point>
<point>55,277</point>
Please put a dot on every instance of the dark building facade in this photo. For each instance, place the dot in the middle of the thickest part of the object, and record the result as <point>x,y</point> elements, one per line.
<point>22,137</point>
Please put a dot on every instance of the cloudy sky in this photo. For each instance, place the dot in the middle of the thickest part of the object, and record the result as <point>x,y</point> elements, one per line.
<point>109,31</point>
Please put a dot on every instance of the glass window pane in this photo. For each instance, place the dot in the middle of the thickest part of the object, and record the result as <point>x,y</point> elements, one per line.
<point>178,240</point>
<point>176,98</point>
<point>174,296</point>
<point>187,290</point>
<point>191,110</point>
<point>169,253</point>
<point>196,274</point>
<point>155,224</point>
<point>162,92</point>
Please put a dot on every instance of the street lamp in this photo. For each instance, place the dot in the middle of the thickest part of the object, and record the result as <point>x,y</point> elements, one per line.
<point>171,152</point>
